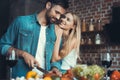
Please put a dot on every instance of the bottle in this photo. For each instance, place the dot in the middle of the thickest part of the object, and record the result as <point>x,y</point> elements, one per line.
<point>91,26</point>
<point>82,41</point>
<point>89,41</point>
<point>97,39</point>
<point>99,25</point>
<point>84,25</point>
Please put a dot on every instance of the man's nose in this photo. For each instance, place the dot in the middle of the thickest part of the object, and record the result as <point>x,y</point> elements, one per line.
<point>58,17</point>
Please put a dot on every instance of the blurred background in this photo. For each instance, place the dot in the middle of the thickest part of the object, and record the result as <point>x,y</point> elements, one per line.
<point>108,11</point>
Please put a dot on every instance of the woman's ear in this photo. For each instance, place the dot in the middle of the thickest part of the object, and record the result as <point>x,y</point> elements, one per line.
<point>48,5</point>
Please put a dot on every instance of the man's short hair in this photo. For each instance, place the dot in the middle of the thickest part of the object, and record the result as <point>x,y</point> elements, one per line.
<point>62,3</point>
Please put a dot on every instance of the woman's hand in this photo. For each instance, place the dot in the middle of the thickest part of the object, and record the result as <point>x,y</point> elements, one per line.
<point>59,32</point>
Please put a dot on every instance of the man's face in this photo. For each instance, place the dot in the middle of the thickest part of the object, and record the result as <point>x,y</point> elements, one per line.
<point>54,13</point>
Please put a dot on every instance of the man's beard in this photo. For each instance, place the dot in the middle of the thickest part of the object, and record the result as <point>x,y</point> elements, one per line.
<point>49,19</point>
<point>57,21</point>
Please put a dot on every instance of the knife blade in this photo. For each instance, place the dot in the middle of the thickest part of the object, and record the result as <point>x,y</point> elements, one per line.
<point>42,70</point>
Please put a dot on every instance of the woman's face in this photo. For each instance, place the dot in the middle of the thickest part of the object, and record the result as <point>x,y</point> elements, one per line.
<point>67,22</point>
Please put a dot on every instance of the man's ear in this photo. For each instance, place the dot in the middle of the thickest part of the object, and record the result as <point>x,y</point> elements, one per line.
<point>48,5</point>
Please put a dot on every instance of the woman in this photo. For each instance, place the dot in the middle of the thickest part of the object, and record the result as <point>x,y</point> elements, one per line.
<point>67,44</point>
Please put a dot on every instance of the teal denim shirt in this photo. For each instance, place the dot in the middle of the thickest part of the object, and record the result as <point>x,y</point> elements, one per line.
<point>23,34</point>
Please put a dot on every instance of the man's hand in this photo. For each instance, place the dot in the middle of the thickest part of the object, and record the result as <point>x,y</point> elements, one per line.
<point>29,59</point>
<point>56,71</point>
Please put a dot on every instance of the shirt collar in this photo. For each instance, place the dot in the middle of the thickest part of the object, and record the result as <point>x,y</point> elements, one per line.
<point>35,16</point>
<point>36,20</point>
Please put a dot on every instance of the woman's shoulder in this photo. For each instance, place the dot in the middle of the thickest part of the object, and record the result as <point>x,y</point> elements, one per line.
<point>73,43</point>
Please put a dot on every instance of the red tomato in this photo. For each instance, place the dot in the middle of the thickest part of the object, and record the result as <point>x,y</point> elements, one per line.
<point>115,75</point>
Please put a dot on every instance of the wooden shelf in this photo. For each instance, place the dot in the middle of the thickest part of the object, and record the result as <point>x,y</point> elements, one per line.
<point>92,32</point>
<point>93,45</point>
<point>93,48</point>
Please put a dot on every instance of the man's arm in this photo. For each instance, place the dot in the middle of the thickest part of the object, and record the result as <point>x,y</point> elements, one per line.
<point>9,37</point>
<point>8,42</point>
<point>55,68</point>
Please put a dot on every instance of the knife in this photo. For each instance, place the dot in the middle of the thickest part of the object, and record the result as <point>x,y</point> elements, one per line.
<point>42,70</point>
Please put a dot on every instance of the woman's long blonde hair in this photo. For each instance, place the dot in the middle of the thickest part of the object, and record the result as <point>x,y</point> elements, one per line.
<point>74,34</point>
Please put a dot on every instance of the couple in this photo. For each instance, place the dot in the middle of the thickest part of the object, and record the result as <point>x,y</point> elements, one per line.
<point>36,40</point>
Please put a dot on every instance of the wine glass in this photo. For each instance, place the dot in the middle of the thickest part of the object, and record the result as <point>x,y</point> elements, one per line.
<point>11,60</point>
<point>106,62</point>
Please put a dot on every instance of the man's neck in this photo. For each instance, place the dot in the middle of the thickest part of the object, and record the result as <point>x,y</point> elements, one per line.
<point>41,18</point>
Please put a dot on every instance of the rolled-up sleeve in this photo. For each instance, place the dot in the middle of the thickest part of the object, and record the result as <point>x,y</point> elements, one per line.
<point>8,39</point>
<point>56,64</point>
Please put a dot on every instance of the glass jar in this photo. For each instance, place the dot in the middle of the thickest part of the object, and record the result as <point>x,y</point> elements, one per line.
<point>97,39</point>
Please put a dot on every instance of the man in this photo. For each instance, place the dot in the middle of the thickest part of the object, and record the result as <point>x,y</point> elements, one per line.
<point>32,37</point>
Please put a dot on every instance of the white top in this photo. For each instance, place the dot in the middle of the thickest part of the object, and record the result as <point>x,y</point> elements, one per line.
<point>40,53</point>
<point>69,61</point>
